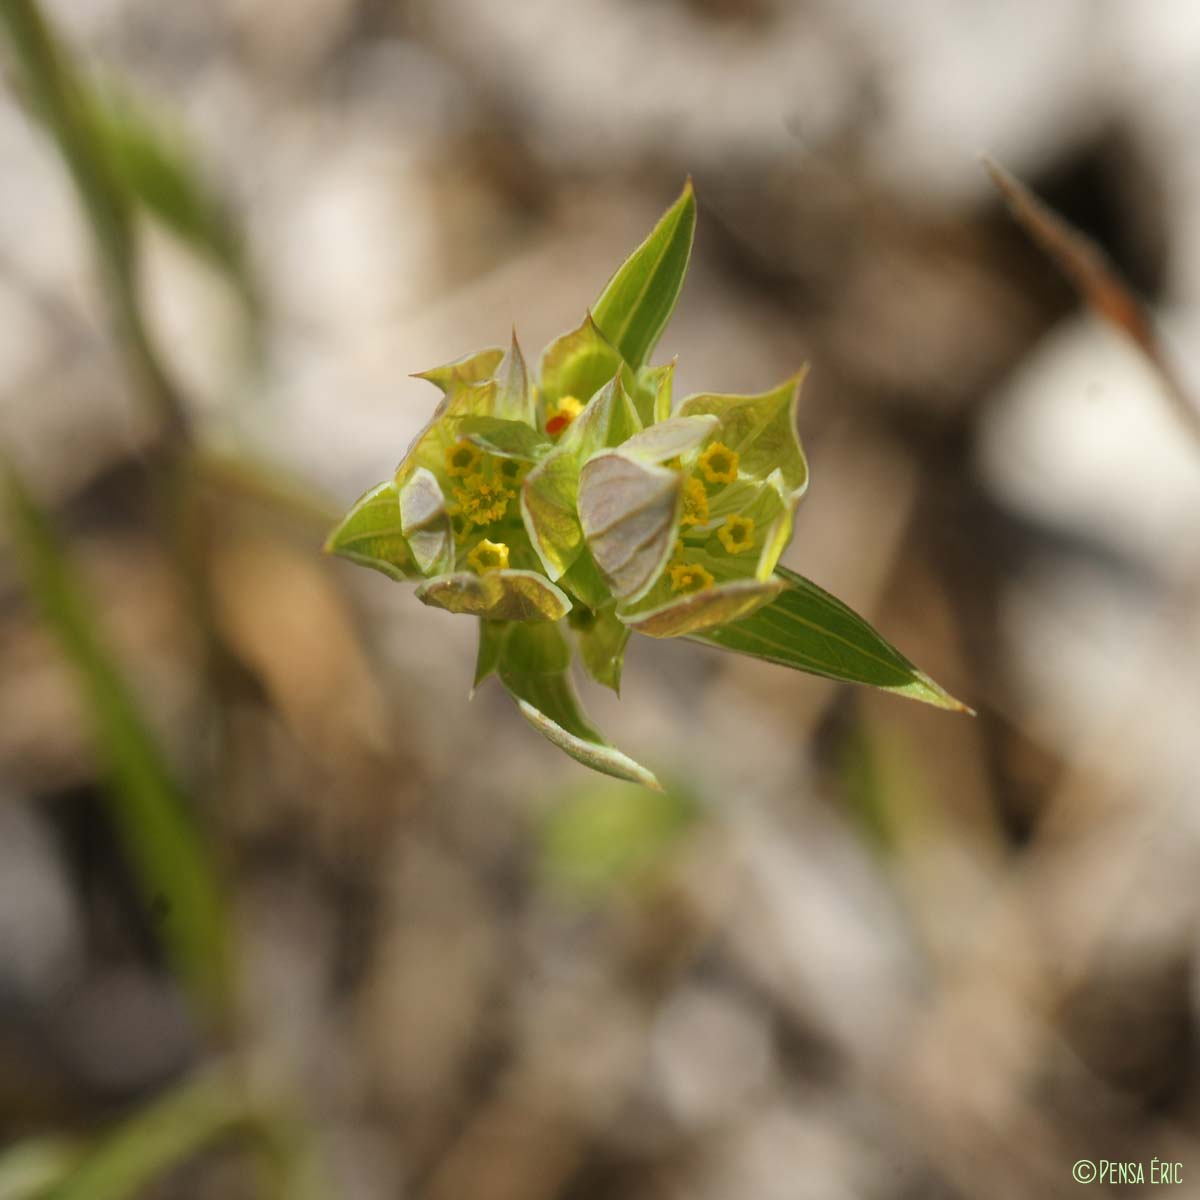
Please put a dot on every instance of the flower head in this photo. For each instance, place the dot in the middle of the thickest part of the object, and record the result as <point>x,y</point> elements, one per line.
<point>718,464</point>
<point>567,409</point>
<point>488,556</point>
<point>737,534</point>
<point>462,458</point>
<point>689,577</point>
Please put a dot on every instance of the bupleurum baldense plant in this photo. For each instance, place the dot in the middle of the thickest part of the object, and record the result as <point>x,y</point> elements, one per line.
<point>571,508</point>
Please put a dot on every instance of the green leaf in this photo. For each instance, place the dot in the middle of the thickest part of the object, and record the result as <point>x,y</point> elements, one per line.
<point>638,300</point>
<point>491,640</point>
<point>535,670</point>
<point>148,807</point>
<point>761,429</point>
<point>550,494</point>
<point>577,364</point>
<point>809,630</point>
<point>506,439</point>
<point>602,639</point>
<point>629,512</point>
<point>714,606</point>
<point>498,596</point>
<point>370,534</point>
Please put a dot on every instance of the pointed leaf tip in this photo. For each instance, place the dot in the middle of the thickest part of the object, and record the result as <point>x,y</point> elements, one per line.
<point>637,302</point>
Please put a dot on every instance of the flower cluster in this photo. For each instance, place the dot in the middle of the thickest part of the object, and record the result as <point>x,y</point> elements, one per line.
<point>582,493</point>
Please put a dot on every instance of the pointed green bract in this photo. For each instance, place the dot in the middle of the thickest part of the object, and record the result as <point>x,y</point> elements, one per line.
<point>712,607</point>
<point>498,596</point>
<point>761,429</point>
<point>370,534</point>
<point>535,670</point>
<point>515,399</point>
<point>670,438</point>
<point>808,629</point>
<point>425,523</point>
<point>577,364</point>
<point>602,637</point>
<point>487,658</point>
<point>638,300</point>
<point>504,438</point>
<point>629,512</point>
<point>471,368</point>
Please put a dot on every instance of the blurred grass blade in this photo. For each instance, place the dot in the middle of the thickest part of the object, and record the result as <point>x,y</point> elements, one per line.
<point>1097,280</point>
<point>638,301</point>
<point>29,1169</point>
<point>121,1165</point>
<point>177,879</point>
<point>808,629</point>
<point>57,94</point>
<point>156,166</point>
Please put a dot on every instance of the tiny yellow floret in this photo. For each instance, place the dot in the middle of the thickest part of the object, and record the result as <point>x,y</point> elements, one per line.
<point>695,503</point>
<point>689,577</point>
<point>718,464</point>
<point>481,502</point>
<point>462,459</point>
<point>512,471</point>
<point>565,411</point>
<point>737,534</point>
<point>488,556</point>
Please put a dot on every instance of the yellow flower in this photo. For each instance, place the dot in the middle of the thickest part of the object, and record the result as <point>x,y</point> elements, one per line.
<point>689,577</point>
<point>718,464</point>
<point>481,502</point>
<point>567,409</point>
<point>737,534</point>
<point>695,503</point>
<point>488,556</point>
<point>462,458</point>
<point>512,471</point>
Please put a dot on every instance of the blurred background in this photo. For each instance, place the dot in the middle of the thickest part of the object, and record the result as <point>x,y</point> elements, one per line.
<point>284,913</point>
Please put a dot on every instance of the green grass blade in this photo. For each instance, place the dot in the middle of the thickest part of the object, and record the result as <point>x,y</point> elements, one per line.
<point>809,630</point>
<point>147,806</point>
<point>121,1165</point>
<point>638,301</point>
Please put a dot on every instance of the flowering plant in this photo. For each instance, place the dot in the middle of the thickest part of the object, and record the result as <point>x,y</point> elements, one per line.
<point>582,498</point>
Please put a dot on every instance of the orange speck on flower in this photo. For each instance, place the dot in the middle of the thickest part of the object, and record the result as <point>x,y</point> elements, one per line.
<point>567,409</point>
<point>737,534</point>
<point>718,464</point>
<point>689,577</point>
<point>488,556</point>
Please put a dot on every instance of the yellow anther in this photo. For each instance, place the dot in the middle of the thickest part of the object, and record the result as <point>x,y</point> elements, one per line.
<point>481,502</point>
<point>718,464</point>
<point>462,459</point>
<point>737,534</point>
<point>695,503</point>
<point>689,577</point>
<point>488,556</point>
<point>565,411</point>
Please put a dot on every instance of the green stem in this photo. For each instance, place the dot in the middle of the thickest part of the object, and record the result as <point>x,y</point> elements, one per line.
<point>58,97</point>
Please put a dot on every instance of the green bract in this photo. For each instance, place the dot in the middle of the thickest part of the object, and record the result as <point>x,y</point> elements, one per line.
<point>568,510</point>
